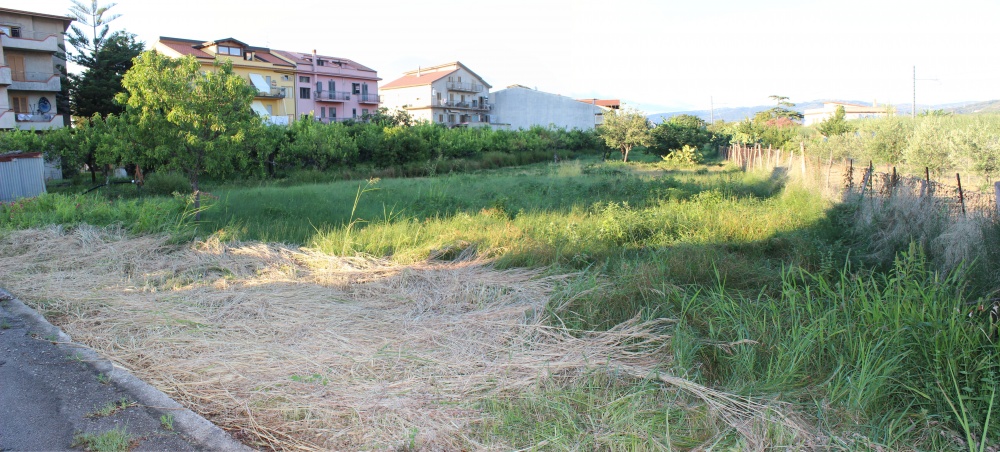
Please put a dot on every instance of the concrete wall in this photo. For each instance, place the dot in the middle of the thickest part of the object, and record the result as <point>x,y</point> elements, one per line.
<point>522,108</point>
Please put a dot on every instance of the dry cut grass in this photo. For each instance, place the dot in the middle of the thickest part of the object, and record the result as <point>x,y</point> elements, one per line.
<point>292,349</point>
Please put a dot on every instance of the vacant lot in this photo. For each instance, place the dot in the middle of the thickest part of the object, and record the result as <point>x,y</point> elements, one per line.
<point>559,306</point>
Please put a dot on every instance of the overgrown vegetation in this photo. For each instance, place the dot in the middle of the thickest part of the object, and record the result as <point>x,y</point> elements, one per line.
<point>860,330</point>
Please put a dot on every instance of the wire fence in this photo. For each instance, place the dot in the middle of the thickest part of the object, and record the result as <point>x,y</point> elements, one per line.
<point>844,179</point>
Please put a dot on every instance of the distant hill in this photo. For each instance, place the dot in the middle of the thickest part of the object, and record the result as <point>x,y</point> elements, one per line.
<point>730,114</point>
<point>990,106</point>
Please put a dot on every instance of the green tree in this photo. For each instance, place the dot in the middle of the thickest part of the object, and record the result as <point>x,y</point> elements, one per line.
<point>625,129</point>
<point>94,89</point>
<point>679,131</point>
<point>836,124</point>
<point>97,18</point>
<point>782,109</point>
<point>184,119</point>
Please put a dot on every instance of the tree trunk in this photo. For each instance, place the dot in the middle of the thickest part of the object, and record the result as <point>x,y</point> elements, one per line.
<point>625,154</point>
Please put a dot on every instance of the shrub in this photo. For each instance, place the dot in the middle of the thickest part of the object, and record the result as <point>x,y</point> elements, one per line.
<point>166,183</point>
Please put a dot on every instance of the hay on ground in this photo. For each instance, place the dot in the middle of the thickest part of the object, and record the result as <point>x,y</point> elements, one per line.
<point>293,349</point>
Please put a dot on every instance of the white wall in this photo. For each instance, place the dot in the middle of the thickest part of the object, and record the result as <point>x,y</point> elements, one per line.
<point>523,108</point>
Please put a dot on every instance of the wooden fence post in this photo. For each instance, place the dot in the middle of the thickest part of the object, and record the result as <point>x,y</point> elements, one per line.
<point>802,156</point>
<point>961,196</point>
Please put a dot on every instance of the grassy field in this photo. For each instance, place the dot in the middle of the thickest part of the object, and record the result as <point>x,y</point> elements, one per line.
<point>780,332</point>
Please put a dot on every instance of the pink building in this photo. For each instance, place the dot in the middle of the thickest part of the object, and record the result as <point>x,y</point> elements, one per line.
<point>330,88</point>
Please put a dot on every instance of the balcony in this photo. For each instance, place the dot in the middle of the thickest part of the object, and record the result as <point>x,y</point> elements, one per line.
<point>466,87</point>
<point>34,81</point>
<point>273,93</point>
<point>33,41</point>
<point>332,96</point>
<point>46,121</point>
<point>368,98</point>
<point>5,75</point>
<point>467,105</point>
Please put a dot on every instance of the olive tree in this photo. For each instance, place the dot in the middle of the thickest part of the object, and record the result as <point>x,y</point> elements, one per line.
<point>625,129</point>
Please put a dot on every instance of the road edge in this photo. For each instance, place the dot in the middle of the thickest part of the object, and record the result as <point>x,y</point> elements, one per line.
<point>200,431</point>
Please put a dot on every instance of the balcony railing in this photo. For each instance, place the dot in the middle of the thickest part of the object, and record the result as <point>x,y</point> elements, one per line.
<point>36,35</point>
<point>332,96</point>
<point>368,98</point>
<point>29,40</point>
<point>467,87</point>
<point>22,76</point>
<point>470,105</point>
<point>332,120</point>
<point>273,93</point>
<point>37,117</point>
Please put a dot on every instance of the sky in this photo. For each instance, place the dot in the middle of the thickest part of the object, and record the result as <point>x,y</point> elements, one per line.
<point>655,55</point>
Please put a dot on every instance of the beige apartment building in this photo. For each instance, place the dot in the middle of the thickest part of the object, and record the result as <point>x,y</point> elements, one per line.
<point>29,69</point>
<point>449,94</point>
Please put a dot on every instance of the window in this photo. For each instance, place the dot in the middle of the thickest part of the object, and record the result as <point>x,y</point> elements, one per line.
<point>459,79</point>
<point>322,112</point>
<point>440,118</point>
<point>286,78</point>
<point>364,112</point>
<point>303,79</point>
<point>333,113</point>
<point>20,104</point>
<point>15,32</point>
<point>227,50</point>
<point>332,85</point>
<point>355,88</point>
<point>270,109</point>
<point>321,63</point>
<point>319,86</point>
<point>451,118</point>
<point>354,112</point>
<point>303,93</point>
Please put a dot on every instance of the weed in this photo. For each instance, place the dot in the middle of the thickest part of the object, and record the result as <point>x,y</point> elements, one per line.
<point>4,324</point>
<point>103,379</point>
<point>116,440</point>
<point>112,408</point>
<point>167,421</point>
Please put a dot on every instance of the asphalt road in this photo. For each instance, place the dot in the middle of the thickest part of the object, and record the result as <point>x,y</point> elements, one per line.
<point>52,392</point>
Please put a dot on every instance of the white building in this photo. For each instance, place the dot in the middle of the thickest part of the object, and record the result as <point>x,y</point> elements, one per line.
<point>449,94</point>
<point>520,107</point>
<point>851,111</point>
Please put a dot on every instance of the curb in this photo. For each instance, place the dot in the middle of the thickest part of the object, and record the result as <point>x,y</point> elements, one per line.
<point>197,429</point>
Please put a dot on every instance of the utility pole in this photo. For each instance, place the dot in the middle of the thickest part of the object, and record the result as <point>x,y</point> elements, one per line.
<point>913,114</point>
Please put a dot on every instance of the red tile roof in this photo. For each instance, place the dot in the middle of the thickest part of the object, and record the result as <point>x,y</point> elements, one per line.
<point>306,58</point>
<point>610,103</point>
<point>417,80</point>
<point>193,47</point>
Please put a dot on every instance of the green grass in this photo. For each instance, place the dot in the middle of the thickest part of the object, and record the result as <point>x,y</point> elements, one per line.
<point>765,279</point>
<point>116,440</point>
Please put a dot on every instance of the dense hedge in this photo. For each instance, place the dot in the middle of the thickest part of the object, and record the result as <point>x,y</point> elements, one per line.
<point>309,145</point>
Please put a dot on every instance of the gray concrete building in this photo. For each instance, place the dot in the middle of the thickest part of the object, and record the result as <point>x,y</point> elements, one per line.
<point>520,107</point>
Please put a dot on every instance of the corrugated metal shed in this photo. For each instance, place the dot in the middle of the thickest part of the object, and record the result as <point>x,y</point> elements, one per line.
<point>21,176</point>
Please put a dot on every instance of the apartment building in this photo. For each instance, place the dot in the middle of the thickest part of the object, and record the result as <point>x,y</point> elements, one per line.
<point>449,94</point>
<point>30,45</point>
<point>330,88</point>
<point>273,76</point>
